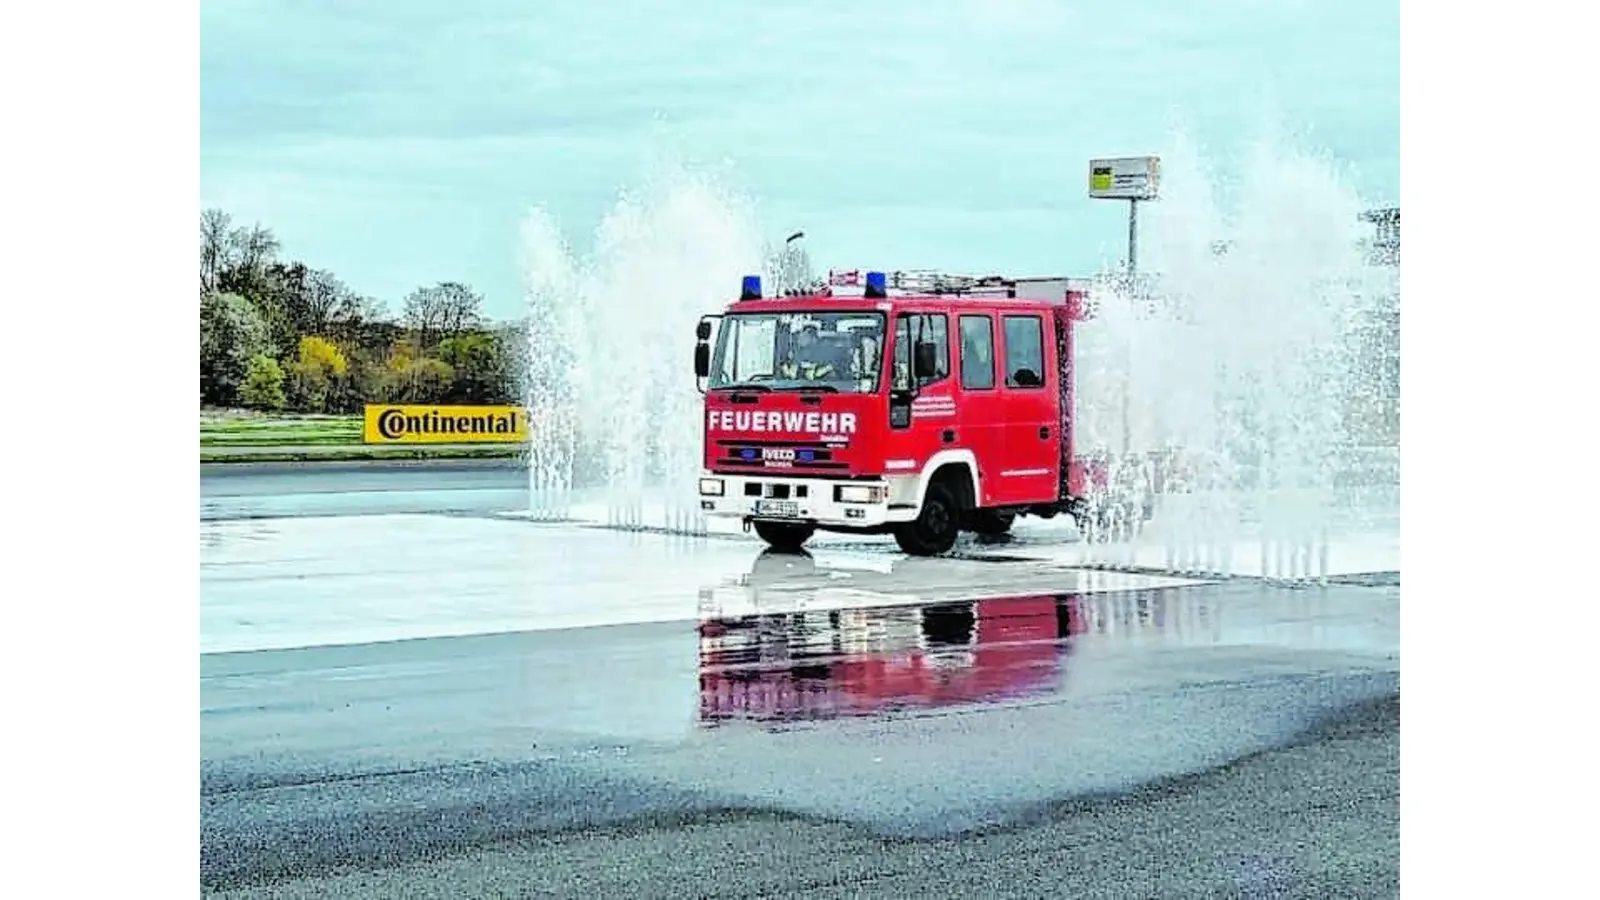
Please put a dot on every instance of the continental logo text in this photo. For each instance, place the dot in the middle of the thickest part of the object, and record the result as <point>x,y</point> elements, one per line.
<point>385,424</point>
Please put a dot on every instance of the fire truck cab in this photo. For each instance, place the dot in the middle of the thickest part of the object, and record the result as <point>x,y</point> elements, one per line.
<point>914,403</point>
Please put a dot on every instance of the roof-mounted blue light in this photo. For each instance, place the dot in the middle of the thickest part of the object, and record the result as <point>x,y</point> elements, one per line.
<point>877,285</point>
<point>751,288</point>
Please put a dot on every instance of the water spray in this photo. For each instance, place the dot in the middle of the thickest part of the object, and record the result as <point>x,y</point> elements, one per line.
<point>1232,347</point>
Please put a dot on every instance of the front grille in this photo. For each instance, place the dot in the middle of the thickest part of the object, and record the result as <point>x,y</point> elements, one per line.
<point>787,455</point>
<point>813,466</point>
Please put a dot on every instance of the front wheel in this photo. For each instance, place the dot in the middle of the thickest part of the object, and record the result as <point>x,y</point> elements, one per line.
<point>784,536</point>
<point>936,526</point>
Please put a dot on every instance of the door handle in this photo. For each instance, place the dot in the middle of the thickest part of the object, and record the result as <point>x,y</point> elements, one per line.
<point>948,436</point>
<point>1044,433</point>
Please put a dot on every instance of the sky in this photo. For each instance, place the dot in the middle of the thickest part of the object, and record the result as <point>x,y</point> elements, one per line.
<point>403,143</point>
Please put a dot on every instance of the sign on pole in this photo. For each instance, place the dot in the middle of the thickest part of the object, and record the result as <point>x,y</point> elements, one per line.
<point>1125,178</point>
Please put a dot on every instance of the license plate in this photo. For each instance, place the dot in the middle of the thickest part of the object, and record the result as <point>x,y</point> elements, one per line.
<point>788,509</point>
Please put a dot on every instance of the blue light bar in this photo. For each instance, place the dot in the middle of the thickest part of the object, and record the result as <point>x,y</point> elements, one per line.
<point>877,285</point>
<point>751,289</point>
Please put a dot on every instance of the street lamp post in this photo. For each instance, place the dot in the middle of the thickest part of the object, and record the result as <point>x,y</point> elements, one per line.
<point>790,266</point>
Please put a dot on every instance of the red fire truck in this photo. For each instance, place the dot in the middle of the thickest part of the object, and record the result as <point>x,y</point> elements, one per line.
<point>911,403</point>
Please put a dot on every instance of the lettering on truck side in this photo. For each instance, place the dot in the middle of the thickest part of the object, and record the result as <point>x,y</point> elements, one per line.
<point>781,422</point>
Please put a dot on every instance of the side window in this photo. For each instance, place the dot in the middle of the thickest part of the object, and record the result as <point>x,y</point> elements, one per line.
<point>1024,351</point>
<point>936,328</point>
<point>977,353</point>
<point>900,376</point>
<point>911,328</point>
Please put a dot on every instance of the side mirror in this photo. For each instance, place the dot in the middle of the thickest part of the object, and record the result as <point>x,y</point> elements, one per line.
<point>926,363</point>
<point>702,331</point>
<point>702,359</point>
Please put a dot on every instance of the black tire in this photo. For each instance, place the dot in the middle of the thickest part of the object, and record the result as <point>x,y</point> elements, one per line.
<point>936,527</point>
<point>784,536</point>
<point>992,524</point>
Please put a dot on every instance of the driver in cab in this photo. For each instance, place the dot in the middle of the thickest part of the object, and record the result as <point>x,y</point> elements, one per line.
<point>803,362</point>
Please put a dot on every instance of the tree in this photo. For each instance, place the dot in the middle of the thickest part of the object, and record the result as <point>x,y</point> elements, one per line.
<point>306,298</point>
<point>244,261</point>
<point>253,246</point>
<point>322,354</point>
<point>263,384</point>
<point>214,227</point>
<point>333,348</point>
<point>294,299</point>
<point>516,359</point>
<point>280,293</point>
<point>367,382</point>
<point>317,377</point>
<point>232,331</point>
<point>234,260</point>
<point>422,380</point>
<point>479,365</point>
<point>323,299</point>
<point>445,310</point>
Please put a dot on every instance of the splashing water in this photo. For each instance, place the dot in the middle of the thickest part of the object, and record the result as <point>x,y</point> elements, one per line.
<point>609,385</point>
<point>1258,365</point>
<point>1246,349</point>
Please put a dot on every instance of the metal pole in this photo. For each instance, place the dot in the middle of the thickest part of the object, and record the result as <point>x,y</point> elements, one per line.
<point>1133,238</point>
<point>1133,268</point>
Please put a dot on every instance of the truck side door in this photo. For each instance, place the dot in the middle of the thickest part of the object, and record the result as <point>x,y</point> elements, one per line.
<point>932,424</point>
<point>983,422</point>
<point>1030,461</point>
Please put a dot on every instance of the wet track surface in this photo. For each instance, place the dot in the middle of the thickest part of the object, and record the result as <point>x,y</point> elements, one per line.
<point>264,490</point>
<point>437,705</point>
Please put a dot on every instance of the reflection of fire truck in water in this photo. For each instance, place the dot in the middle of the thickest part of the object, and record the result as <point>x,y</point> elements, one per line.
<point>782,644</point>
<point>869,661</point>
<point>864,661</point>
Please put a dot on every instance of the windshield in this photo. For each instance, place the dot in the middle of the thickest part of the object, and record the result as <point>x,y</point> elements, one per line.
<point>837,351</point>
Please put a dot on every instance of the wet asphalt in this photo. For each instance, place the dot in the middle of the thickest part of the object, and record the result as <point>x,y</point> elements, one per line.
<point>1236,739</point>
<point>239,490</point>
<point>1316,819</point>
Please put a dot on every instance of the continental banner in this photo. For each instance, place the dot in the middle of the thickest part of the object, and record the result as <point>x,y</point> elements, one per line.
<point>385,424</point>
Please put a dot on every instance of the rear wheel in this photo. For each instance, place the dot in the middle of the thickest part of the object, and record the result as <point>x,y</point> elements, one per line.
<point>784,536</point>
<point>936,526</point>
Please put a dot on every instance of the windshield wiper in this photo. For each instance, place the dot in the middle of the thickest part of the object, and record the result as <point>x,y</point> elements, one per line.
<point>759,388</point>
<point>822,388</point>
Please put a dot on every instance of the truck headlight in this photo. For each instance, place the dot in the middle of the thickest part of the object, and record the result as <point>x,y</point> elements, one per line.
<point>711,487</point>
<point>858,493</point>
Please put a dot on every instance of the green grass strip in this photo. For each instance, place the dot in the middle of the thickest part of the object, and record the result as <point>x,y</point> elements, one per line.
<point>363,453</point>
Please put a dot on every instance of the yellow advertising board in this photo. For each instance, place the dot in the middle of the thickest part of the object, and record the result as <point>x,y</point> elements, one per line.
<point>400,424</point>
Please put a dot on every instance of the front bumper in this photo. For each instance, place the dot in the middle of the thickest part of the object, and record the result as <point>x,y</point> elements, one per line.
<point>823,501</point>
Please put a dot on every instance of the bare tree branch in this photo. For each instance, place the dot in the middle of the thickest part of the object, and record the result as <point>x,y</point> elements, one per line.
<point>443,310</point>
<point>214,230</point>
